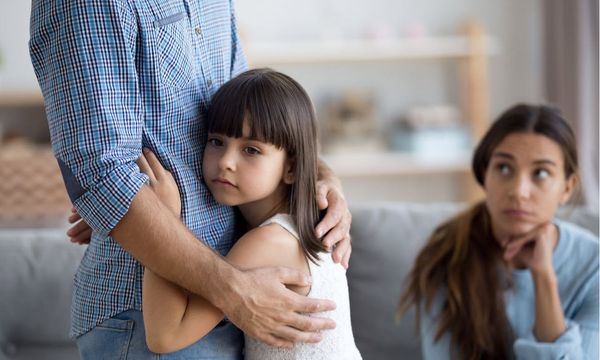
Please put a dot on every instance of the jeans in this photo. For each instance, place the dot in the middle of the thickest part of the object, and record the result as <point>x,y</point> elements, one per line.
<point>123,337</point>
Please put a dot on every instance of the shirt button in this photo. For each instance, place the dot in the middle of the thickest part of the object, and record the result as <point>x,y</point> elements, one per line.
<point>198,30</point>
<point>209,82</point>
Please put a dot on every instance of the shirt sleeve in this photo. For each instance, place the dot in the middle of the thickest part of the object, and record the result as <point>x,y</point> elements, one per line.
<point>83,56</point>
<point>580,339</point>
<point>238,63</point>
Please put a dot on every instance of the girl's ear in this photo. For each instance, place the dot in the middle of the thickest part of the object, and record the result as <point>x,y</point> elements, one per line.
<point>289,177</point>
<point>570,184</point>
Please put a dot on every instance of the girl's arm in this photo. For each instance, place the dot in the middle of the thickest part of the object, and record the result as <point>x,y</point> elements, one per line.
<point>174,319</point>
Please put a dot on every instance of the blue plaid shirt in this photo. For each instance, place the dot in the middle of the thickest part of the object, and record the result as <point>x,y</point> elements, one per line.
<point>116,76</point>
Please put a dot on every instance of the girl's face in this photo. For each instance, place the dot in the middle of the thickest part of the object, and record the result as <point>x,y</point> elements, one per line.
<point>525,183</point>
<point>247,173</point>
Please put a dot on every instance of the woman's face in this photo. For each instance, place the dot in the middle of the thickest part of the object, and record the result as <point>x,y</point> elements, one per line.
<point>525,183</point>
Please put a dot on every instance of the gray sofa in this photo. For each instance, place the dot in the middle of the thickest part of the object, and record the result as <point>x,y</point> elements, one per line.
<point>37,267</point>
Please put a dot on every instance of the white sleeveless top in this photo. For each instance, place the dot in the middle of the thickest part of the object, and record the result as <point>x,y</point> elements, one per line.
<point>328,282</point>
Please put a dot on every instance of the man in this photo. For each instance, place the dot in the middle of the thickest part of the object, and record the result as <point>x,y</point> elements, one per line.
<point>121,75</point>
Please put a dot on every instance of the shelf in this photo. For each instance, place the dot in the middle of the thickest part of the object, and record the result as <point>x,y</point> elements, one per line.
<point>21,98</point>
<point>443,47</point>
<point>394,163</point>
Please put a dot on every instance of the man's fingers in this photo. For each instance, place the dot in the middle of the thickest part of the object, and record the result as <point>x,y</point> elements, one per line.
<point>333,216</point>
<point>289,276</point>
<point>73,218</point>
<point>322,202</point>
<point>340,231</point>
<point>309,305</point>
<point>294,335</point>
<point>83,237</point>
<point>308,325</point>
<point>269,339</point>
<point>346,258</point>
<point>339,253</point>
<point>145,167</point>
<point>77,228</point>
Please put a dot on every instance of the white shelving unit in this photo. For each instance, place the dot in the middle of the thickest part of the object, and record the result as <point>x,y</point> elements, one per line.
<point>470,49</point>
<point>395,163</point>
<point>442,47</point>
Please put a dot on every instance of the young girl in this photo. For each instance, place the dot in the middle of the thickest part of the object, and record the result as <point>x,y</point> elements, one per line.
<point>261,156</point>
<point>505,279</point>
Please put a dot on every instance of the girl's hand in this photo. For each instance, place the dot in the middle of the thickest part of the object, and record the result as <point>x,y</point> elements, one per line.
<point>161,181</point>
<point>533,249</point>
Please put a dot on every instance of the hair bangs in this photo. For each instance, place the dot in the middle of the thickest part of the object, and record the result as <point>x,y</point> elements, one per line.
<point>267,121</point>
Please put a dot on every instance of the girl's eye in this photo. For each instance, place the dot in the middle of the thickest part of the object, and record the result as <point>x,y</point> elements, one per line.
<point>251,150</point>
<point>503,169</point>
<point>541,173</point>
<point>215,142</point>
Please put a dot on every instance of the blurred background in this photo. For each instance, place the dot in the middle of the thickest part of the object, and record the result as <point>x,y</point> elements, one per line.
<point>403,90</point>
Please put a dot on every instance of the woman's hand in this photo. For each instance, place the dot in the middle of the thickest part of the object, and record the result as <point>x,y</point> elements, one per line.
<point>161,181</point>
<point>533,249</point>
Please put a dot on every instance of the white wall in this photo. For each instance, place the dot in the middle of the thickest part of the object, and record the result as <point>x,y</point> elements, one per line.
<point>514,75</point>
<point>16,72</point>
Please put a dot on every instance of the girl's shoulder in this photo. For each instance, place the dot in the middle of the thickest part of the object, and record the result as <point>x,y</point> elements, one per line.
<point>268,245</point>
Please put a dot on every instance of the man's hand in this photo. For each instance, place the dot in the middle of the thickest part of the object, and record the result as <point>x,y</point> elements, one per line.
<point>80,233</point>
<point>336,223</point>
<point>258,302</point>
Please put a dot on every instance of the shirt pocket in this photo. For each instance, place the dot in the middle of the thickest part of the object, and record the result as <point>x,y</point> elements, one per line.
<point>175,49</point>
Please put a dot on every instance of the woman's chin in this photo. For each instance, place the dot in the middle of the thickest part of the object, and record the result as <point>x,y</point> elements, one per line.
<point>514,228</point>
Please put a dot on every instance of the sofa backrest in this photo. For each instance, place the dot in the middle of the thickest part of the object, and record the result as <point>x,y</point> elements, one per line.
<point>386,237</point>
<point>37,268</point>
<point>36,285</point>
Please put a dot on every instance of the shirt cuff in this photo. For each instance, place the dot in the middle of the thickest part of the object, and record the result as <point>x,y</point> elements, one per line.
<point>567,346</point>
<point>105,204</point>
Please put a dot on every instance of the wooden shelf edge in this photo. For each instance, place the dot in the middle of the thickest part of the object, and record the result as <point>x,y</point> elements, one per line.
<point>262,54</point>
<point>383,164</point>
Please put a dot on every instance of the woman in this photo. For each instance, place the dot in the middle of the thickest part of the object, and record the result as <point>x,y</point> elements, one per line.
<point>504,279</point>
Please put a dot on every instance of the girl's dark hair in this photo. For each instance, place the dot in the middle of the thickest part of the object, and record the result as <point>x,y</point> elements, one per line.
<point>463,261</point>
<point>278,111</point>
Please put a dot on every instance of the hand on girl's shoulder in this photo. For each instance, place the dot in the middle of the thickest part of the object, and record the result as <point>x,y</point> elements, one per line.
<point>268,246</point>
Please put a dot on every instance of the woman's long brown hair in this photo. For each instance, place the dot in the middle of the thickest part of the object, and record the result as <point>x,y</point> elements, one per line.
<point>463,262</point>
